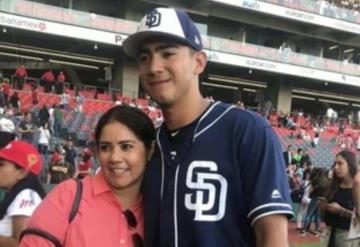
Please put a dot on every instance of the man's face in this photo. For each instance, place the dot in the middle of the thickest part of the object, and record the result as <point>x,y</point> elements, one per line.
<point>169,72</point>
<point>28,117</point>
<point>69,143</point>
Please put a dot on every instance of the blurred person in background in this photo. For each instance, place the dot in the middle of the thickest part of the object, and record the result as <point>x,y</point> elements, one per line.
<point>27,128</point>
<point>70,154</point>
<point>7,90</point>
<point>318,185</point>
<point>19,77</point>
<point>85,165</point>
<point>14,102</point>
<point>304,204</point>
<point>20,165</point>
<point>48,80</point>
<point>59,169</point>
<point>60,80</point>
<point>44,138</point>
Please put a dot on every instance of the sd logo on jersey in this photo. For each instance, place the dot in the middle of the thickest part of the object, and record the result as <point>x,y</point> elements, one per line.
<point>198,182</point>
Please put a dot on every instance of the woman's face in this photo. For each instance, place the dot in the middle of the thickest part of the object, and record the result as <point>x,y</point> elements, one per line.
<point>341,167</point>
<point>9,174</point>
<point>122,157</point>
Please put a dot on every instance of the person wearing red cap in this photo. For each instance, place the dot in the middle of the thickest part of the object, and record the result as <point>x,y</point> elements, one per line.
<point>20,166</point>
<point>85,164</point>
<point>59,169</point>
<point>110,212</point>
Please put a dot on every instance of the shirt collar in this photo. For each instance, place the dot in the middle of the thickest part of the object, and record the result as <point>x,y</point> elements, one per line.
<point>99,184</point>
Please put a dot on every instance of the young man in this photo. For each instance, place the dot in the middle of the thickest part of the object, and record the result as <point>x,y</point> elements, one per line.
<point>217,177</point>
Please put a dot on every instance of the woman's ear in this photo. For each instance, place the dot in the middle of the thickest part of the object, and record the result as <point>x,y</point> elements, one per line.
<point>151,150</point>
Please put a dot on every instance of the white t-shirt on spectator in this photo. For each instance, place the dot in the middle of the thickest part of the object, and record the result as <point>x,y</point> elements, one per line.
<point>44,136</point>
<point>7,125</point>
<point>64,99</point>
<point>24,204</point>
<point>329,112</point>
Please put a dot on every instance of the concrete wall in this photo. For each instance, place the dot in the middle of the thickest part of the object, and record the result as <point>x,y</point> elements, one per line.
<point>125,77</point>
<point>280,95</point>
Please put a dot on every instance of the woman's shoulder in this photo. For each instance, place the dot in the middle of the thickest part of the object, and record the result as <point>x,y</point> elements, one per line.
<point>24,203</point>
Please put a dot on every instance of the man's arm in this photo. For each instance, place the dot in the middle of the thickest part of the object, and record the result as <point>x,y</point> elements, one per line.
<point>272,231</point>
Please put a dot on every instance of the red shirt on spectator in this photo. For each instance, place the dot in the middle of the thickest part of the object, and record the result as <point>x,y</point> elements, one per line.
<point>56,156</point>
<point>6,88</point>
<point>61,77</point>
<point>84,166</point>
<point>21,71</point>
<point>34,95</point>
<point>48,76</point>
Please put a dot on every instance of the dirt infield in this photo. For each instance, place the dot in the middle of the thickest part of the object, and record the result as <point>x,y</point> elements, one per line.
<point>296,240</point>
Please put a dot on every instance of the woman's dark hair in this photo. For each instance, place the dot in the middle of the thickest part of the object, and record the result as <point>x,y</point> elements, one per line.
<point>319,180</point>
<point>133,118</point>
<point>31,181</point>
<point>351,160</point>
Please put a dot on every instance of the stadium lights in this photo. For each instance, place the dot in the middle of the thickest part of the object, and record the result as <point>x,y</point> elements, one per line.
<point>333,102</point>
<point>74,64</point>
<point>75,57</point>
<point>234,81</point>
<point>333,47</point>
<point>220,86</point>
<point>21,56</point>
<point>326,95</point>
<point>303,97</point>
<point>349,50</point>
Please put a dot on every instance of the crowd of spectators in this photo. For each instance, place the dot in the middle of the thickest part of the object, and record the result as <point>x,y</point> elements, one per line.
<point>41,124</point>
<point>348,10</point>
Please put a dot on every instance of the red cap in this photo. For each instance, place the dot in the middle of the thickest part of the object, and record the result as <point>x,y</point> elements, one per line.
<point>24,155</point>
<point>56,157</point>
<point>87,152</point>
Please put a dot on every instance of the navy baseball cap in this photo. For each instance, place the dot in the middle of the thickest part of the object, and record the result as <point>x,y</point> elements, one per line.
<point>172,24</point>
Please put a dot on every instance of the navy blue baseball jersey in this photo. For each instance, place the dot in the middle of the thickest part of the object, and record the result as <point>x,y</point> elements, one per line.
<point>208,182</point>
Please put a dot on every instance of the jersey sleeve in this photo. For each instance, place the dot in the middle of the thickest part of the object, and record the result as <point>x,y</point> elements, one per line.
<point>24,203</point>
<point>52,215</point>
<point>266,188</point>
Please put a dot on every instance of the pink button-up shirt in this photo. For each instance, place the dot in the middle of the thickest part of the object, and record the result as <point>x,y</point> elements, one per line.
<point>99,221</point>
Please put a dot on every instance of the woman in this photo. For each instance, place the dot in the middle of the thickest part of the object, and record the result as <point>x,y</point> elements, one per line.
<point>339,204</point>
<point>44,138</point>
<point>305,200</point>
<point>20,165</point>
<point>317,188</point>
<point>110,211</point>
